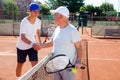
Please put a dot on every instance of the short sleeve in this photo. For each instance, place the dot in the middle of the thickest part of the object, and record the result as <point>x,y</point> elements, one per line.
<point>75,36</point>
<point>39,24</point>
<point>23,28</point>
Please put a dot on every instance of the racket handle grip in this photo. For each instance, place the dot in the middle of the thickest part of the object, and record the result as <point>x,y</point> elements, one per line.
<point>82,67</point>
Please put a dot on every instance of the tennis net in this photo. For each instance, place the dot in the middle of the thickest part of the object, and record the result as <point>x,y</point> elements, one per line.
<point>84,73</point>
<point>38,72</point>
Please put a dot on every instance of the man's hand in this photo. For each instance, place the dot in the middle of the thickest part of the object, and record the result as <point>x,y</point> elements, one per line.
<point>36,46</point>
<point>79,65</point>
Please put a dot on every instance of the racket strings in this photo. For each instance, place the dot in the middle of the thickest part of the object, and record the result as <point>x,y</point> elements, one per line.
<point>58,63</point>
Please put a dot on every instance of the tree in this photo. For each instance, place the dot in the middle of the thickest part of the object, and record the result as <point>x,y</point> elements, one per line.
<point>97,11</point>
<point>89,8</point>
<point>93,11</point>
<point>1,7</point>
<point>102,10</point>
<point>72,5</point>
<point>106,7</point>
<point>44,9</point>
<point>53,4</point>
<point>10,9</point>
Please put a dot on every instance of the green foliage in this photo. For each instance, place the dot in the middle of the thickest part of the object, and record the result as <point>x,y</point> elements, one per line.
<point>53,4</point>
<point>106,7</point>
<point>10,8</point>
<point>73,5</point>
<point>97,11</point>
<point>102,10</point>
<point>44,9</point>
<point>112,13</point>
<point>89,8</point>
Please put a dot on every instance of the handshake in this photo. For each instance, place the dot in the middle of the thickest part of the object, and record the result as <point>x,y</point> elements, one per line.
<point>37,46</point>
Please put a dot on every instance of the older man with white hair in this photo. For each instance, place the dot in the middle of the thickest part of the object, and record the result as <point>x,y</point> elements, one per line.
<point>66,40</point>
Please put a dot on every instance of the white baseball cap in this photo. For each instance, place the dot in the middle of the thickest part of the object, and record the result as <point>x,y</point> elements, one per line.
<point>61,10</point>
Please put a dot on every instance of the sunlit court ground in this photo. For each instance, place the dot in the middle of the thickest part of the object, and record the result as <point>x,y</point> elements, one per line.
<point>103,58</point>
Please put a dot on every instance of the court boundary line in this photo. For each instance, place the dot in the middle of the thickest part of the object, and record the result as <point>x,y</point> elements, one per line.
<point>8,55</point>
<point>99,59</point>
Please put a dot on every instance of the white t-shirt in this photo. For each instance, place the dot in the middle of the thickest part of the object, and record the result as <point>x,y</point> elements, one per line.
<point>29,30</point>
<point>64,39</point>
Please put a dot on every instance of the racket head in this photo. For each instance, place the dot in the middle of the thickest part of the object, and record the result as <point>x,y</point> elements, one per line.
<point>57,63</point>
<point>49,33</point>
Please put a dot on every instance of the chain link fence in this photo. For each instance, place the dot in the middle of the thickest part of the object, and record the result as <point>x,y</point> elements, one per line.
<point>100,25</point>
<point>105,26</point>
<point>10,24</point>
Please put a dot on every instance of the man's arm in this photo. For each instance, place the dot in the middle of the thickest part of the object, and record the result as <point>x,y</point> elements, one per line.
<point>47,44</point>
<point>34,45</point>
<point>38,35</point>
<point>78,47</point>
<point>24,39</point>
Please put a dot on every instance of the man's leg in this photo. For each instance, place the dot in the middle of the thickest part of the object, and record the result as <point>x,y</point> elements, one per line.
<point>19,69</point>
<point>57,76</point>
<point>33,56</point>
<point>67,75</point>
<point>21,58</point>
<point>33,63</point>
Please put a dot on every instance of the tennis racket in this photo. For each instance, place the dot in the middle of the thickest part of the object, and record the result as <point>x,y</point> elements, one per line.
<point>59,63</point>
<point>50,30</point>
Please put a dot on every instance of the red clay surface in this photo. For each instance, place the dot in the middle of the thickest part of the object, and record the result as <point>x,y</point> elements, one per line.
<point>103,56</point>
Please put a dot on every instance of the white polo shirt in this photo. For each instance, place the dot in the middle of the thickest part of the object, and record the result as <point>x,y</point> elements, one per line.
<point>29,30</point>
<point>64,39</point>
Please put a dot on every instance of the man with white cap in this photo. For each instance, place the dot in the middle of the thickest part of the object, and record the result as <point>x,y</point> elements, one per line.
<point>27,46</point>
<point>66,40</point>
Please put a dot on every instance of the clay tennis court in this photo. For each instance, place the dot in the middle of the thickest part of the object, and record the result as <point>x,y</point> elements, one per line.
<point>103,58</point>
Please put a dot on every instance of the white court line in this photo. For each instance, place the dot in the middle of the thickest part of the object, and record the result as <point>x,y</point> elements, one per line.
<point>96,59</point>
<point>7,53</point>
<point>8,41</point>
<point>103,59</point>
<point>106,42</point>
<point>106,59</point>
